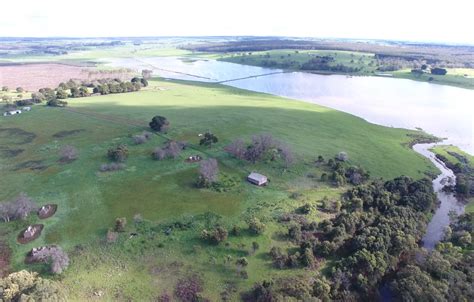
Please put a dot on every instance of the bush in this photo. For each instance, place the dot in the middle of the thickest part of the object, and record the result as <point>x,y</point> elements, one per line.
<point>120,224</point>
<point>56,103</point>
<point>68,154</point>
<point>171,149</point>
<point>214,236</point>
<point>119,153</point>
<point>342,156</point>
<point>188,289</point>
<point>111,167</point>
<point>208,173</point>
<point>256,226</point>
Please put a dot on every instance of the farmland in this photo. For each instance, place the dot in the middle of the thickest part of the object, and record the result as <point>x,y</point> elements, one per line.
<point>164,193</point>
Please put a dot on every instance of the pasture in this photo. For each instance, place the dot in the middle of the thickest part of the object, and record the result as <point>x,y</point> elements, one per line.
<point>163,192</point>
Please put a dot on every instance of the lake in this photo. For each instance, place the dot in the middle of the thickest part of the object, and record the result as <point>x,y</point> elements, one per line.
<point>444,111</point>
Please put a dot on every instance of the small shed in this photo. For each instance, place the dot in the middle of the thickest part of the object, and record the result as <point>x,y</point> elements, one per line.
<point>27,108</point>
<point>257,179</point>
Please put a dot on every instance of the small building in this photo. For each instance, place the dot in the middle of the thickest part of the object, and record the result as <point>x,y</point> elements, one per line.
<point>26,108</point>
<point>257,179</point>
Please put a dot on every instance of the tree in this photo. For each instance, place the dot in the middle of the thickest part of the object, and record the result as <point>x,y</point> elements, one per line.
<point>68,154</point>
<point>37,97</point>
<point>159,123</point>
<point>55,256</point>
<point>28,286</point>
<point>119,153</point>
<point>188,289</point>
<point>20,89</point>
<point>61,94</point>
<point>439,71</point>
<point>237,148</point>
<point>342,156</point>
<point>146,74</point>
<point>208,172</point>
<point>18,208</point>
<point>56,103</point>
<point>215,236</point>
<point>256,226</point>
<point>208,139</point>
<point>120,224</point>
<point>5,88</point>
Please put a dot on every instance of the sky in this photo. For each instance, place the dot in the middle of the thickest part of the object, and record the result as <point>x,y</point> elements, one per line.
<point>412,20</point>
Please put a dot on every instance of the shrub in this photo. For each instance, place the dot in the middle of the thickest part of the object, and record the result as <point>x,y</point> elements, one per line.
<point>188,289</point>
<point>208,173</point>
<point>54,255</point>
<point>56,103</point>
<point>120,224</point>
<point>111,167</point>
<point>171,149</point>
<point>214,236</point>
<point>18,208</point>
<point>28,286</point>
<point>208,139</point>
<point>256,226</point>
<point>68,154</point>
<point>119,153</point>
<point>342,156</point>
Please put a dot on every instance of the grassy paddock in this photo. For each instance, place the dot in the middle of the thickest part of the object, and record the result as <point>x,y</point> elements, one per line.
<point>163,192</point>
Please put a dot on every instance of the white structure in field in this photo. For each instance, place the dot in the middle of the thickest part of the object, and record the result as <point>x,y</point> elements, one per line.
<point>257,179</point>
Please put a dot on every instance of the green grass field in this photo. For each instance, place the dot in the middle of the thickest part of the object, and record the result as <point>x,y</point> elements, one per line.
<point>163,192</point>
<point>291,59</point>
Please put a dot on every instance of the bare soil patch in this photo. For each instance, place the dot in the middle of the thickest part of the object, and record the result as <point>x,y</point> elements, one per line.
<point>16,136</point>
<point>23,240</point>
<point>10,152</point>
<point>51,212</point>
<point>62,134</point>
<point>31,165</point>
<point>35,76</point>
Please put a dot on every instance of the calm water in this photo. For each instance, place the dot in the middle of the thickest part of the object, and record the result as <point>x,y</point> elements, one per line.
<point>444,111</point>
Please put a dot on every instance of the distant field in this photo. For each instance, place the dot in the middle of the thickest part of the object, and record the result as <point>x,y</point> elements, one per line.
<point>454,77</point>
<point>365,63</point>
<point>32,77</point>
<point>163,191</point>
<point>294,59</point>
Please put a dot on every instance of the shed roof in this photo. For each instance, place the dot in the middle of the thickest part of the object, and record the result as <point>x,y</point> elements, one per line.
<point>257,176</point>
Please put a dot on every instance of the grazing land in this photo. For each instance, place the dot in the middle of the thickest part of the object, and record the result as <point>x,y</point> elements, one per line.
<point>165,210</point>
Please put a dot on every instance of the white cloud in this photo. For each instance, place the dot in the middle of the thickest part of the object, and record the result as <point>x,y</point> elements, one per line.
<point>421,20</point>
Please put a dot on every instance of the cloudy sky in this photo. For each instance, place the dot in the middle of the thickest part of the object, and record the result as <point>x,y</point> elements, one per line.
<point>416,20</point>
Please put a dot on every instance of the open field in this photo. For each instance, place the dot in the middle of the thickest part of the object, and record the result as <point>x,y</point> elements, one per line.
<point>295,59</point>
<point>163,192</point>
<point>454,77</point>
<point>35,76</point>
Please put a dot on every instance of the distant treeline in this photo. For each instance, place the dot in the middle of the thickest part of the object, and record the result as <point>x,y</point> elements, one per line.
<point>441,55</point>
<point>78,89</point>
